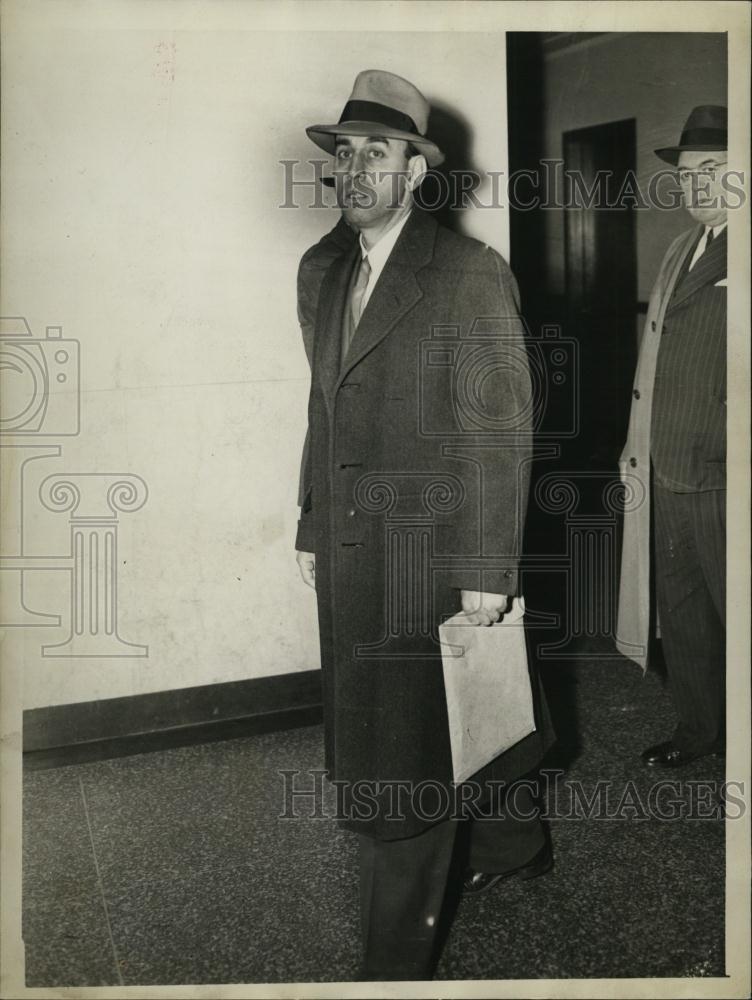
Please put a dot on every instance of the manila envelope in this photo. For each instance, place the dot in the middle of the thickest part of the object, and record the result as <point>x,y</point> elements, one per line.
<point>489,700</point>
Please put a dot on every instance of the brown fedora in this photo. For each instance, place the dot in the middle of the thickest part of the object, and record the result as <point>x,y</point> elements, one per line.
<point>706,129</point>
<point>383,104</point>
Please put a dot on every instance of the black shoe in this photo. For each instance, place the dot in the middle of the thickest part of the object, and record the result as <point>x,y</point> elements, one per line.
<point>668,755</point>
<point>476,882</point>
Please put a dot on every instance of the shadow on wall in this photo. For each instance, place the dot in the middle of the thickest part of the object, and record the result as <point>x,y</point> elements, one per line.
<point>453,134</point>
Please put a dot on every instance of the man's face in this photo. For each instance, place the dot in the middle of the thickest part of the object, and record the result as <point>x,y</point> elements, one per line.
<point>700,176</point>
<point>371,178</point>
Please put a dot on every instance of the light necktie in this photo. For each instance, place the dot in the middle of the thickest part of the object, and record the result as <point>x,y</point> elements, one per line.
<point>699,254</point>
<point>359,291</point>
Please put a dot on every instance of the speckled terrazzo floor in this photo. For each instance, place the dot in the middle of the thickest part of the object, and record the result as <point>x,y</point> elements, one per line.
<point>173,867</point>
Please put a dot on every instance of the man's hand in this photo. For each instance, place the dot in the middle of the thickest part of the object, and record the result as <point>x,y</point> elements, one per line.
<point>482,609</point>
<point>307,567</point>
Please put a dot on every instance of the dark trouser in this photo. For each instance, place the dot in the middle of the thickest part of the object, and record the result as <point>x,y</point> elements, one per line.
<point>690,581</point>
<point>403,882</point>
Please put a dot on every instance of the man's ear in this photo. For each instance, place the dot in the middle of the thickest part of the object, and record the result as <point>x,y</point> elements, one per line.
<point>417,168</point>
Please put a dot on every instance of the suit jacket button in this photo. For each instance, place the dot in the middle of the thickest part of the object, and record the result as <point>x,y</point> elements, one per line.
<point>636,393</point>
<point>351,512</point>
<point>633,462</point>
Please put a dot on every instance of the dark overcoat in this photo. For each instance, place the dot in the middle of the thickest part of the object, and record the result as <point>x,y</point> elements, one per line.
<point>418,473</point>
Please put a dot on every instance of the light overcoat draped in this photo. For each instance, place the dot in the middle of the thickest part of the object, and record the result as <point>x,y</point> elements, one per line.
<point>693,305</point>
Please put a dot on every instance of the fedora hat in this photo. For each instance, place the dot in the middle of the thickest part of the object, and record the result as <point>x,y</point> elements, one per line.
<point>706,129</point>
<point>382,104</point>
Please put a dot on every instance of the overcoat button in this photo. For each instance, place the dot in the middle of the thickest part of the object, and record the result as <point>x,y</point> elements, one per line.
<point>636,393</point>
<point>633,462</point>
<point>652,326</point>
<point>351,512</point>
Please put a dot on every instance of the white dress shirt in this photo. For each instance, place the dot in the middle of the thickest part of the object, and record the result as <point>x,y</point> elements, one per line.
<point>700,248</point>
<point>378,255</point>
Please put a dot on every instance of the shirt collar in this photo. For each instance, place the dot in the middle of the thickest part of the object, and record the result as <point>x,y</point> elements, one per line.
<point>717,230</point>
<point>377,254</point>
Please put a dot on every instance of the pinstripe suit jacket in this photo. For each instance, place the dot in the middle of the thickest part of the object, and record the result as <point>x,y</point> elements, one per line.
<point>678,416</point>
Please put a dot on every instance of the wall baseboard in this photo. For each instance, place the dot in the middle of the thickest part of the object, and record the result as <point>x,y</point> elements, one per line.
<point>116,727</point>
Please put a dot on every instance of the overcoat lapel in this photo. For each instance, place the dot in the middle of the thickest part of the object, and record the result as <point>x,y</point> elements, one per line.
<point>709,268</point>
<point>328,336</point>
<point>396,291</point>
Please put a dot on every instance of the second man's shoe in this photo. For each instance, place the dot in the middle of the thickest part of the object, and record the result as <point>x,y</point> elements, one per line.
<point>668,755</point>
<point>477,882</point>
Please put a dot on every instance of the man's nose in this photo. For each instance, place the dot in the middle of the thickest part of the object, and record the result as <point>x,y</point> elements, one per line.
<point>358,163</point>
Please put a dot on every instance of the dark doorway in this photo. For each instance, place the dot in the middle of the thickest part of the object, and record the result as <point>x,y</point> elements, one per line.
<point>525,116</point>
<point>601,281</point>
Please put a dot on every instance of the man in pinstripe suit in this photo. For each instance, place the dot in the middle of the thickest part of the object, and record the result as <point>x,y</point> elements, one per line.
<point>677,449</point>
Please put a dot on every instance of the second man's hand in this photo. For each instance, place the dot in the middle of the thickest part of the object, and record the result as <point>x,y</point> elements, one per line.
<point>481,608</point>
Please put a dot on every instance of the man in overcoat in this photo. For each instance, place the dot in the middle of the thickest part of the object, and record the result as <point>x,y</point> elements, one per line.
<point>419,423</point>
<point>674,461</point>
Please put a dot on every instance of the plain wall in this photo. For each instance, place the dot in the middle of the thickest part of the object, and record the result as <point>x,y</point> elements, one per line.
<point>140,190</point>
<point>656,79</point>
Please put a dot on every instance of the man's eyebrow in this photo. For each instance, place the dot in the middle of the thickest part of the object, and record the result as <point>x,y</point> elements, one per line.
<point>344,140</point>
